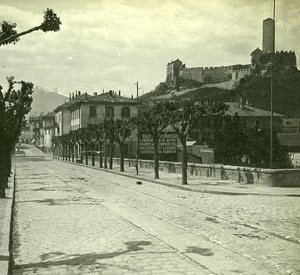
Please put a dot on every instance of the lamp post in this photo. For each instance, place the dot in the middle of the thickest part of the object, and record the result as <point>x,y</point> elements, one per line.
<point>272,88</point>
<point>138,136</point>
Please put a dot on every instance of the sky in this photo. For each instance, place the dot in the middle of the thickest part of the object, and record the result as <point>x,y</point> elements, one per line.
<point>110,45</point>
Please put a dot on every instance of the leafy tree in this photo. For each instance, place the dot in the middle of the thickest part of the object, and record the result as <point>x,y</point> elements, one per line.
<point>231,142</point>
<point>185,116</point>
<point>154,119</point>
<point>8,34</point>
<point>15,103</point>
<point>236,145</point>
<point>123,131</point>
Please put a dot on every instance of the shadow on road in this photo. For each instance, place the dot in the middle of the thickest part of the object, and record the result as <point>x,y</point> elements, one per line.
<point>88,259</point>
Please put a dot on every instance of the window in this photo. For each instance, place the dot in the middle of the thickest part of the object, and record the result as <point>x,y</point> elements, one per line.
<point>109,112</point>
<point>125,111</point>
<point>93,111</point>
<point>288,123</point>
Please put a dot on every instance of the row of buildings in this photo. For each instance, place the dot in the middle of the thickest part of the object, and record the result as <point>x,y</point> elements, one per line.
<point>80,110</point>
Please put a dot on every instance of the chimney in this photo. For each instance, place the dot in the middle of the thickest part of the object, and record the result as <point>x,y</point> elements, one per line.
<point>110,92</point>
<point>103,91</point>
<point>131,96</point>
<point>73,95</point>
<point>70,96</point>
<point>95,93</point>
<point>79,93</point>
<point>76,94</point>
<point>119,93</point>
<point>85,95</point>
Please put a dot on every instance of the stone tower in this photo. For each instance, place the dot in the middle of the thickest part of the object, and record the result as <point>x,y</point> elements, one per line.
<point>268,35</point>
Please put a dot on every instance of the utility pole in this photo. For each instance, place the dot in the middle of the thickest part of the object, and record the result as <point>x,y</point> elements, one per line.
<point>138,134</point>
<point>272,88</point>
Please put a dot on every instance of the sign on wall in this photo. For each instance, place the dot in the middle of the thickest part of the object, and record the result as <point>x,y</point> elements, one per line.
<point>167,144</point>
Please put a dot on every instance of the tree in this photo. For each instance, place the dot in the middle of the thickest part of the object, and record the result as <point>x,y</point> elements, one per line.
<point>110,132</point>
<point>8,34</point>
<point>154,120</point>
<point>83,139</point>
<point>92,139</point>
<point>14,105</point>
<point>123,131</point>
<point>99,134</point>
<point>231,142</point>
<point>185,116</point>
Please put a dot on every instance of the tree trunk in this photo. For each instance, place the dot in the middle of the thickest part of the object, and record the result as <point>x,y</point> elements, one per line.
<point>155,158</point>
<point>75,151</point>
<point>111,154</point>
<point>121,145</point>
<point>184,161</point>
<point>86,155</point>
<point>72,151</point>
<point>93,156</point>
<point>63,152</point>
<point>69,152</point>
<point>81,155</point>
<point>100,155</point>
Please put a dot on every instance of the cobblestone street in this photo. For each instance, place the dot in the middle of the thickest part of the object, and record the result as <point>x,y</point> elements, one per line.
<point>76,220</point>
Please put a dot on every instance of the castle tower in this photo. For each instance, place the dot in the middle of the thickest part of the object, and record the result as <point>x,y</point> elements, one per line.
<point>268,35</point>
<point>173,70</point>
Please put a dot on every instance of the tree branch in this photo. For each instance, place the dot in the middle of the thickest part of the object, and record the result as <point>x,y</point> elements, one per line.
<point>13,37</point>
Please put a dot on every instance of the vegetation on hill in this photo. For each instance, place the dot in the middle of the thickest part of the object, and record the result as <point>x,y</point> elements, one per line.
<point>286,94</point>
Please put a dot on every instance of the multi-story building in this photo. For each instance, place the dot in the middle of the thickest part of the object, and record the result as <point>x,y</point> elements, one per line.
<point>95,109</point>
<point>48,124</point>
<point>38,133</point>
<point>110,105</point>
<point>63,114</point>
<point>290,136</point>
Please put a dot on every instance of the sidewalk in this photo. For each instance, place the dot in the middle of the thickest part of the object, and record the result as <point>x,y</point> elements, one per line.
<point>200,184</point>
<point>5,219</point>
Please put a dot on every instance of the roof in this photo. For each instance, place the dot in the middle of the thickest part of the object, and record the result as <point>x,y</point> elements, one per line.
<point>175,61</point>
<point>104,98</point>
<point>69,103</point>
<point>248,111</point>
<point>111,97</point>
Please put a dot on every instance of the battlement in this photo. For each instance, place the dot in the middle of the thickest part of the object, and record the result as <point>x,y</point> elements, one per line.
<point>285,52</point>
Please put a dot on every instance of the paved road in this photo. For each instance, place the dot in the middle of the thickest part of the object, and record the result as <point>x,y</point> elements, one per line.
<point>76,220</point>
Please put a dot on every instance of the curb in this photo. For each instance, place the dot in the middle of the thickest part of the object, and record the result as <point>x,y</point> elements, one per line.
<point>183,187</point>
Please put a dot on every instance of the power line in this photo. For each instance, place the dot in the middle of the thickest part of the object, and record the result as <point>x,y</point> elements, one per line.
<point>240,16</point>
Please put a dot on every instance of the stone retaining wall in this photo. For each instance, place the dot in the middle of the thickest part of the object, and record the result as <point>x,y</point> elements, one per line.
<point>248,175</point>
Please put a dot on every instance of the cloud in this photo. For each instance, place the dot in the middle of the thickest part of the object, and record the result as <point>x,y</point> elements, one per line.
<point>113,44</point>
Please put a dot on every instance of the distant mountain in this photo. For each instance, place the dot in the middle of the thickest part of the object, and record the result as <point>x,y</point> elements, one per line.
<point>45,101</point>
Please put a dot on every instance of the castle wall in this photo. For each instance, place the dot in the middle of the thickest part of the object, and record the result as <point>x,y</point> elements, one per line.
<point>217,74</point>
<point>192,73</point>
<point>238,74</point>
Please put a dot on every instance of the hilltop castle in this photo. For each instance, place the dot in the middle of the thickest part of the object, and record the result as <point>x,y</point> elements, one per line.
<point>260,59</point>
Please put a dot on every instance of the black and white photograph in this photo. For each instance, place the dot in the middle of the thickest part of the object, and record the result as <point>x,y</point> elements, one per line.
<point>149,137</point>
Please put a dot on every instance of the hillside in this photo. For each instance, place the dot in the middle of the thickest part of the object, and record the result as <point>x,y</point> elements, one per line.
<point>255,89</point>
<point>286,94</point>
<point>45,101</point>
